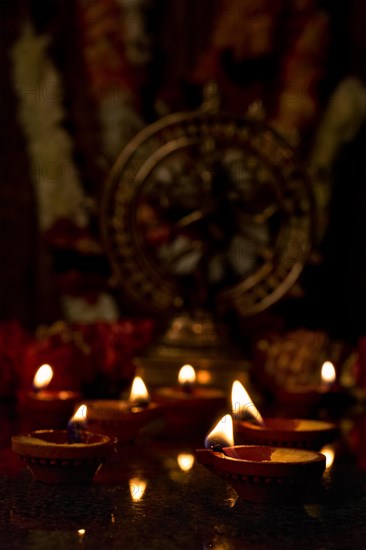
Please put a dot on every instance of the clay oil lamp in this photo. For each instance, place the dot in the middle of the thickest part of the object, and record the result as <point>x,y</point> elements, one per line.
<point>328,377</point>
<point>69,456</point>
<point>299,400</point>
<point>334,397</point>
<point>189,407</point>
<point>262,473</point>
<point>307,399</point>
<point>279,432</point>
<point>125,420</point>
<point>44,408</point>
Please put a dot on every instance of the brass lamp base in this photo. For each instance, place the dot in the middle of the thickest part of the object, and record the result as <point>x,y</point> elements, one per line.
<point>198,341</point>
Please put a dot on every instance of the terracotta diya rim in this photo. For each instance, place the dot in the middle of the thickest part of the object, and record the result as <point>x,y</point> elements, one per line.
<point>54,395</point>
<point>119,411</point>
<point>52,444</point>
<point>290,426</point>
<point>198,393</point>
<point>52,460</point>
<point>256,460</point>
<point>262,480</point>
<point>298,388</point>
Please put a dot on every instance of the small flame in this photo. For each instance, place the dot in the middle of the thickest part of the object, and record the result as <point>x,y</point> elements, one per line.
<point>185,461</point>
<point>187,374</point>
<point>242,405</point>
<point>80,415</point>
<point>328,451</point>
<point>137,488</point>
<point>328,373</point>
<point>77,425</point>
<point>222,434</point>
<point>139,390</point>
<point>42,377</point>
<point>81,532</point>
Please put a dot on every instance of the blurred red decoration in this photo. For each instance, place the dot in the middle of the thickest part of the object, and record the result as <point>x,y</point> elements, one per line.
<point>82,354</point>
<point>293,360</point>
<point>13,342</point>
<point>360,367</point>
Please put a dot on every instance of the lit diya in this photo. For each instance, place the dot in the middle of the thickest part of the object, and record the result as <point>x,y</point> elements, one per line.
<point>251,428</point>
<point>303,399</point>
<point>189,408</point>
<point>44,408</point>
<point>125,420</point>
<point>69,456</point>
<point>262,473</point>
<point>334,397</point>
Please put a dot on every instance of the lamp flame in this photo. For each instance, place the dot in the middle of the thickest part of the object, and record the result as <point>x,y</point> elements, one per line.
<point>80,414</point>
<point>42,377</point>
<point>139,391</point>
<point>185,461</point>
<point>242,405</point>
<point>222,435</point>
<point>328,373</point>
<point>76,425</point>
<point>204,377</point>
<point>137,488</point>
<point>328,451</point>
<point>187,375</point>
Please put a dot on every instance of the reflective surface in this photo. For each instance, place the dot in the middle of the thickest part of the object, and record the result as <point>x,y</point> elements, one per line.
<point>153,495</point>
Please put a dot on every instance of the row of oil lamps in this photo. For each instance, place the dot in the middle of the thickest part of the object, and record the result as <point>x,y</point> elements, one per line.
<point>276,460</point>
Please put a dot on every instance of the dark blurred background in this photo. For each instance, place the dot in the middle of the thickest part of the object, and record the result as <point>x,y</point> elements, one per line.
<point>152,57</point>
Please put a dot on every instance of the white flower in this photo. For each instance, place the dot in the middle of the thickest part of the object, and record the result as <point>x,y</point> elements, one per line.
<point>39,90</point>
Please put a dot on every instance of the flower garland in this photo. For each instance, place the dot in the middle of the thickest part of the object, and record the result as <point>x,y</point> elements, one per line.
<point>39,90</point>
<point>56,179</point>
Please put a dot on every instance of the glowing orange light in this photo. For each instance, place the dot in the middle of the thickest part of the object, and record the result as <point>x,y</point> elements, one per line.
<point>42,377</point>
<point>204,377</point>
<point>328,451</point>
<point>328,373</point>
<point>139,390</point>
<point>243,405</point>
<point>137,488</point>
<point>222,434</point>
<point>185,461</point>
<point>187,374</point>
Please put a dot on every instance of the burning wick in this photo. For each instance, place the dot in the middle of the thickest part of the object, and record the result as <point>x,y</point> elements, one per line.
<point>139,396</point>
<point>187,378</point>
<point>76,425</point>
<point>42,378</point>
<point>221,436</point>
<point>242,405</point>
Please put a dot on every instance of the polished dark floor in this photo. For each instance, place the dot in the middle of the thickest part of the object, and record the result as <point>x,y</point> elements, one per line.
<point>144,499</point>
